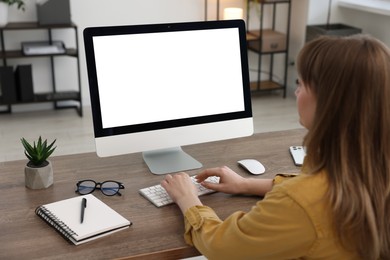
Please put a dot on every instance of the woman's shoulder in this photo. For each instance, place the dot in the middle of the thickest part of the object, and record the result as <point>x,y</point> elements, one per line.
<point>295,180</point>
<point>306,189</point>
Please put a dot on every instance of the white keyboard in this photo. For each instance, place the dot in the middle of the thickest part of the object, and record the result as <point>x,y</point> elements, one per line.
<point>159,197</point>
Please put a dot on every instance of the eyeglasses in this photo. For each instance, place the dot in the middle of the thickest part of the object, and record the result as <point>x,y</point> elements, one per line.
<point>108,188</point>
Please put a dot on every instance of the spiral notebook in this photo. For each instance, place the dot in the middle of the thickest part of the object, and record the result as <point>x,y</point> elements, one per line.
<point>99,219</point>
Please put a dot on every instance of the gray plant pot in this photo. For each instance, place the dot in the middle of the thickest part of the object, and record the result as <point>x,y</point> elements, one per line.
<point>38,178</point>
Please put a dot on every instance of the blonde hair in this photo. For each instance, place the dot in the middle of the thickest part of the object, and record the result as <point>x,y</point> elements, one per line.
<point>350,136</point>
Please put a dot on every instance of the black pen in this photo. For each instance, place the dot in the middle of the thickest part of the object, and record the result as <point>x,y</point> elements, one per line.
<point>83,206</point>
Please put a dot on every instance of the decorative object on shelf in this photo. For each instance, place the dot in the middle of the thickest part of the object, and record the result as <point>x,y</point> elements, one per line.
<point>52,12</point>
<point>24,82</point>
<point>313,31</point>
<point>4,9</point>
<point>43,48</point>
<point>7,85</point>
<point>38,171</point>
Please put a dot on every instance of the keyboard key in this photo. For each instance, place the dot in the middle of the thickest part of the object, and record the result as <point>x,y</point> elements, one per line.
<point>159,197</point>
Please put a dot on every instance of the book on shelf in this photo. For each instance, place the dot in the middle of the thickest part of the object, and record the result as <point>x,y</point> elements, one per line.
<point>98,220</point>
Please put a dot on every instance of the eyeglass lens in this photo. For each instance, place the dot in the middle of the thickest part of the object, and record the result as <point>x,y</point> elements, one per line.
<point>86,187</point>
<point>108,188</point>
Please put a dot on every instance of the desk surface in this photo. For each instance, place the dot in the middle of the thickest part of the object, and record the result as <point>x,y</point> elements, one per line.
<point>159,231</point>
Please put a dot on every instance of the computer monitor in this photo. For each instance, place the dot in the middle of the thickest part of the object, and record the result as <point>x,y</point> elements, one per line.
<point>155,88</point>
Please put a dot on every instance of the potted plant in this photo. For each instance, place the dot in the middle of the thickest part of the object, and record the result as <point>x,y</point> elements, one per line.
<point>4,9</point>
<point>38,171</point>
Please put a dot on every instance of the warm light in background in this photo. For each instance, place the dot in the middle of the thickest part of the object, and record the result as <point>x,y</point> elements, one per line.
<point>232,13</point>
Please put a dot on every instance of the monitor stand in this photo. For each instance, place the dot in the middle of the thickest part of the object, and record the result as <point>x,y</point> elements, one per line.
<point>169,161</point>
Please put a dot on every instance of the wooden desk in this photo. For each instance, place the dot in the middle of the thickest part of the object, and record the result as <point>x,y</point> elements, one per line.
<point>156,233</point>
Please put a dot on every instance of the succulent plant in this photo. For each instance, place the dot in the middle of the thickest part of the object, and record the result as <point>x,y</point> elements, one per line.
<point>38,152</point>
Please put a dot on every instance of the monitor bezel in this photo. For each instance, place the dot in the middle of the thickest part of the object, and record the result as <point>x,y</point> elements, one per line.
<point>91,32</point>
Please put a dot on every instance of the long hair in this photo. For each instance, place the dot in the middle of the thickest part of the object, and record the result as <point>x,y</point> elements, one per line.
<point>350,136</point>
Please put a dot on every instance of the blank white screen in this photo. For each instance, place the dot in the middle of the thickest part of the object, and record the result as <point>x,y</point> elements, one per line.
<point>155,77</point>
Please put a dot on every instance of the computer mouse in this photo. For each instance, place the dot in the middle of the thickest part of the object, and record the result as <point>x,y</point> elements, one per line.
<point>252,166</point>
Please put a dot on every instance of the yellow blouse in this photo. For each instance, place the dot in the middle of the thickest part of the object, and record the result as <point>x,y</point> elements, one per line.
<point>291,222</point>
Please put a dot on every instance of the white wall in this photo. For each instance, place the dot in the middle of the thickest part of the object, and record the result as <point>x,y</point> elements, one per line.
<point>118,12</point>
<point>299,16</point>
<point>370,23</point>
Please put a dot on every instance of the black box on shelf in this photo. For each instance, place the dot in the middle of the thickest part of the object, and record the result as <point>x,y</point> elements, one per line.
<point>337,29</point>
<point>24,82</point>
<point>7,85</point>
<point>53,12</point>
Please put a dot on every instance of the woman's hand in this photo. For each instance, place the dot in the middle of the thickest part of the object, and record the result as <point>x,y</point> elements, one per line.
<point>229,181</point>
<point>181,190</point>
<point>232,183</point>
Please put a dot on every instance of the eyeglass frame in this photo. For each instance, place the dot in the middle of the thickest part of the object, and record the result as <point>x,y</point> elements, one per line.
<point>98,186</point>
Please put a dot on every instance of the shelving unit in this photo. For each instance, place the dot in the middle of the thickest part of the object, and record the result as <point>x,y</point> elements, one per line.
<point>52,96</point>
<point>278,45</point>
<point>256,39</point>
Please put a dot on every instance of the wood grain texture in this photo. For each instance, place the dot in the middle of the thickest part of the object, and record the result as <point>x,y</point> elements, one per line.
<point>23,235</point>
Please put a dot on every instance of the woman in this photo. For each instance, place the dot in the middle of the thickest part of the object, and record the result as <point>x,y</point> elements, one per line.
<point>339,206</point>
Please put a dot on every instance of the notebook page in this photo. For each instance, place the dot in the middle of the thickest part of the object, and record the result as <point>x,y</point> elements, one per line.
<point>98,216</point>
